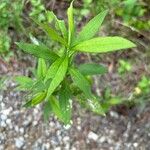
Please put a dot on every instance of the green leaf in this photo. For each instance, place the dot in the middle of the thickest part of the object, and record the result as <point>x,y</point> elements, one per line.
<point>95,106</point>
<point>70,23</point>
<point>64,102</point>
<point>55,107</point>
<point>35,100</point>
<point>81,82</point>
<point>47,110</point>
<point>24,82</point>
<point>104,44</point>
<point>60,24</point>
<point>91,104</point>
<point>52,33</point>
<point>59,76</point>
<point>62,28</point>
<point>41,69</point>
<point>39,51</point>
<point>53,69</point>
<point>92,69</point>
<point>91,28</point>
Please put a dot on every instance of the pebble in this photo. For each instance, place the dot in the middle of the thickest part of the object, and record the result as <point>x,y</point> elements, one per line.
<point>57,148</point>
<point>8,122</point>
<point>21,130</point>
<point>92,136</point>
<point>114,114</point>
<point>1,98</point>
<point>66,139</point>
<point>3,124</point>
<point>19,142</point>
<point>2,105</point>
<point>3,117</point>
<point>135,145</point>
<point>102,139</point>
<point>27,122</point>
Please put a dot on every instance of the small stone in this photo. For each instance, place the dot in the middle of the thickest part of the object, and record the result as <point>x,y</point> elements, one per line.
<point>79,128</point>
<point>47,145</point>
<point>114,114</point>
<point>3,117</point>
<point>3,124</point>
<point>52,124</point>
<point>66,139</point>
<point>58,148</point>
<point>1,98</point>
<point>28,121</point>
<point>73,148</point>
<point>92,136</point>
<point>8,121</point>
<point>16,128</point>
<point>2,106</point>
<point>21,130</point>
<point>1,147</point>
<point>135,144</point>
<point>19,142</point>
<point>102,139</point>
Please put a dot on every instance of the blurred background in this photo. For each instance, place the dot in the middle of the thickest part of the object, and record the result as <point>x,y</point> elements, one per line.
<point>127,124</point>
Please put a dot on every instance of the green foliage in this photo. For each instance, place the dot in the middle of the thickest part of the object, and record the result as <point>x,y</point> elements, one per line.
<point>58,80</point>
<point>9,17</point>
<point>124,67</point>
<point>131,11</point>
<point>37,10</point>
<point>92,69</point>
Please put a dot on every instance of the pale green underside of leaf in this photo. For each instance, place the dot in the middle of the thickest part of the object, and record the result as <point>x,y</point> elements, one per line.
<point>39,51</point>
<point>41,69</point>
<point>81,82</point>
<point>36,100</point>
<point>104,44</point>
<point>64,103</point>
<point>55,107</point>
<point>92,69</point>
<point>59,76</point>
<point>47,110</point>
<point>91,28</point>
<point>24,82</point>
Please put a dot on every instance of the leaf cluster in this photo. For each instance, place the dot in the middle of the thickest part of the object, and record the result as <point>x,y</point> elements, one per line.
<point>58,80</point>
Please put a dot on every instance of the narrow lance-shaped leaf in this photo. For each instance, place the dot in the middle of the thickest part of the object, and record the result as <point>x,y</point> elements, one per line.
<point>65,103</point>
<point>81,82</point>
<point>24,82</point>
<point>92,69</point>
<point>52,33</point>
<point>58,78</point>
<point>47,110</point>
<point>91,28</point>
<point>41,69</point>
<point>63,29</point>
<point>35,100</point>
<point>70,23</point>
<point>104,44</point>
<point>39,51</point>
<point>59,24</point>
<point>55,107</point>
<point>53,69</point>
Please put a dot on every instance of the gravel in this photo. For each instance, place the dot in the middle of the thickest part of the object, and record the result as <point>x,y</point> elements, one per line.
<point>24,129</point>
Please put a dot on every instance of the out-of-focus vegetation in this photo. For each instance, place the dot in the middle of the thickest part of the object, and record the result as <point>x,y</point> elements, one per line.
<point>133,15</point>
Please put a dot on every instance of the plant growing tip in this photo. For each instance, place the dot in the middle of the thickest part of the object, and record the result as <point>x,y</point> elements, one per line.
<point>57,79</point>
